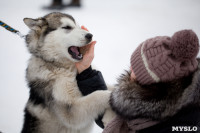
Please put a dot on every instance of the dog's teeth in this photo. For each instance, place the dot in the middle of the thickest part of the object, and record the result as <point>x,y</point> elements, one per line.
<point>80,56</point>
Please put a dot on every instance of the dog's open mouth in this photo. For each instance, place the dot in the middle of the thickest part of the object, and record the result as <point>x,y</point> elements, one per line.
<point>75,52</point>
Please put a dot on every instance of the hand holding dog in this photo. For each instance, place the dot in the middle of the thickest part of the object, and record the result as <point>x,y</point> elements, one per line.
<point>87,57</point>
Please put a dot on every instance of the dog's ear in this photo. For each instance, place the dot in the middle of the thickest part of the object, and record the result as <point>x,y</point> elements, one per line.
<point>35,24</point>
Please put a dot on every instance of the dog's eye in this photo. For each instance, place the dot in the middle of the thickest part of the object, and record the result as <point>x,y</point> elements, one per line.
<point>67,27</point>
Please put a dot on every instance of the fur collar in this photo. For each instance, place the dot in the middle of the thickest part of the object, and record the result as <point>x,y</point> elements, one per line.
<point>157,101</point>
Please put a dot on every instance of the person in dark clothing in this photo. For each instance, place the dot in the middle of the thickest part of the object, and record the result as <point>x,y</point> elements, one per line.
<point>58,4</point>
<point>168,104</point>
<point>161,92</point>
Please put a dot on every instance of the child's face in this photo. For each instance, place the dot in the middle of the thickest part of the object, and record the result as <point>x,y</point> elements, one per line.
<point>133,77</point>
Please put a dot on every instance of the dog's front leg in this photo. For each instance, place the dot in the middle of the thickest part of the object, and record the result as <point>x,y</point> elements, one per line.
<point>90,106</point>
<point>83,111</point>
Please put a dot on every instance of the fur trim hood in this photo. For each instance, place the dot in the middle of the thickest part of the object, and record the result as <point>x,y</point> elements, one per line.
<point>157,101</point>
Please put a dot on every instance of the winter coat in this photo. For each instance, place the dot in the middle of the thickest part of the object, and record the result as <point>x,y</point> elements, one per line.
<point>175,105</point>
<point>119,125</point>
<point>89,81</point>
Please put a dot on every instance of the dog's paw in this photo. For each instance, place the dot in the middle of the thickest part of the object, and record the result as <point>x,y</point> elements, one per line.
<point>104,94</point>
<point>103,97</point>
<point>108,116</point>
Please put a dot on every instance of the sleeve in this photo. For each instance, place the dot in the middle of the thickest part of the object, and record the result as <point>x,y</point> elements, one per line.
<point>89,81</point>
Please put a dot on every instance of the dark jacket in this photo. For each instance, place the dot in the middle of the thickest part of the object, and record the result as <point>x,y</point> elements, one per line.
<point>175,104</point>
<point>89,81</point>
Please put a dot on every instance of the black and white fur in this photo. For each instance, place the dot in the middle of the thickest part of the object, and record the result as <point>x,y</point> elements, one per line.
<point>55,104</point>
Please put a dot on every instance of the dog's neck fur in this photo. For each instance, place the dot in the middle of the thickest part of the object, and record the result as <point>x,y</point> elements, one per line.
<point>44,67</point>
<point>64,63</point>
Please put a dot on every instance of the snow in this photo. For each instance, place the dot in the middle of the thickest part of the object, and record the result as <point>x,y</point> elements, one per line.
<point>118,27</point>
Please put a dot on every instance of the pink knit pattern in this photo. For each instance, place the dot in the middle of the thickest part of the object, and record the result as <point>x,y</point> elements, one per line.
<point>164,58</point>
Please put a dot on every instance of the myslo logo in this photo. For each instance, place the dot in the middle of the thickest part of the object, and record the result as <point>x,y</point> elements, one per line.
<point>184,128</point>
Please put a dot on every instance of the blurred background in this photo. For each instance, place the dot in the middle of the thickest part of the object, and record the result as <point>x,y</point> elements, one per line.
<point>118,26</point>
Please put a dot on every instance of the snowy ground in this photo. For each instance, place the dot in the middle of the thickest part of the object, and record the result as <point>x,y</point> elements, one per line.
<point>118,26</point>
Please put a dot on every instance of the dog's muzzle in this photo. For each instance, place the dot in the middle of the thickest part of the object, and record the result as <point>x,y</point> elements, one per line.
<point>74,51</point>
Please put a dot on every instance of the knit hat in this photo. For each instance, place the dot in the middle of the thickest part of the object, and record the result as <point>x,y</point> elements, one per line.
<point>164,58</point>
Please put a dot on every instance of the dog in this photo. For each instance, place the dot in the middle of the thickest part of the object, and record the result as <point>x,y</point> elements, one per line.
<point>55,104</point>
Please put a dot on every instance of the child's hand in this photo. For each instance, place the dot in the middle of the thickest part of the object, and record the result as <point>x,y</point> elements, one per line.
<point>87,57</point>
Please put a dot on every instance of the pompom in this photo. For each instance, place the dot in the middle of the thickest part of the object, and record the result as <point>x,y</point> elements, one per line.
<point>184,45</point>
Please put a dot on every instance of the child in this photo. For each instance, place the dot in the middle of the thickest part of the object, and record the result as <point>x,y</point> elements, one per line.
<point>162,90</point>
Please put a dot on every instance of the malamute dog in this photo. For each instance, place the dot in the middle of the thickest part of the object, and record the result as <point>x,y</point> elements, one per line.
<point>55,104</point>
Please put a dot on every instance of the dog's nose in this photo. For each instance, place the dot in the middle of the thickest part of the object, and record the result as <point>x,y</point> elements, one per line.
<point>88,36</point>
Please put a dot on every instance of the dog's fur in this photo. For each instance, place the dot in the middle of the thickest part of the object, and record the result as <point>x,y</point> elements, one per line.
<point>55,103</point>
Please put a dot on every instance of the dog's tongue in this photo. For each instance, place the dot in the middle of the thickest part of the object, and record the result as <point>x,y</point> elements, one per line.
<point>75,50</point>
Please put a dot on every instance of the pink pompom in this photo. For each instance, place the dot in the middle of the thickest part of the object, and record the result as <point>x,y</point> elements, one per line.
<point>184,45</point>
